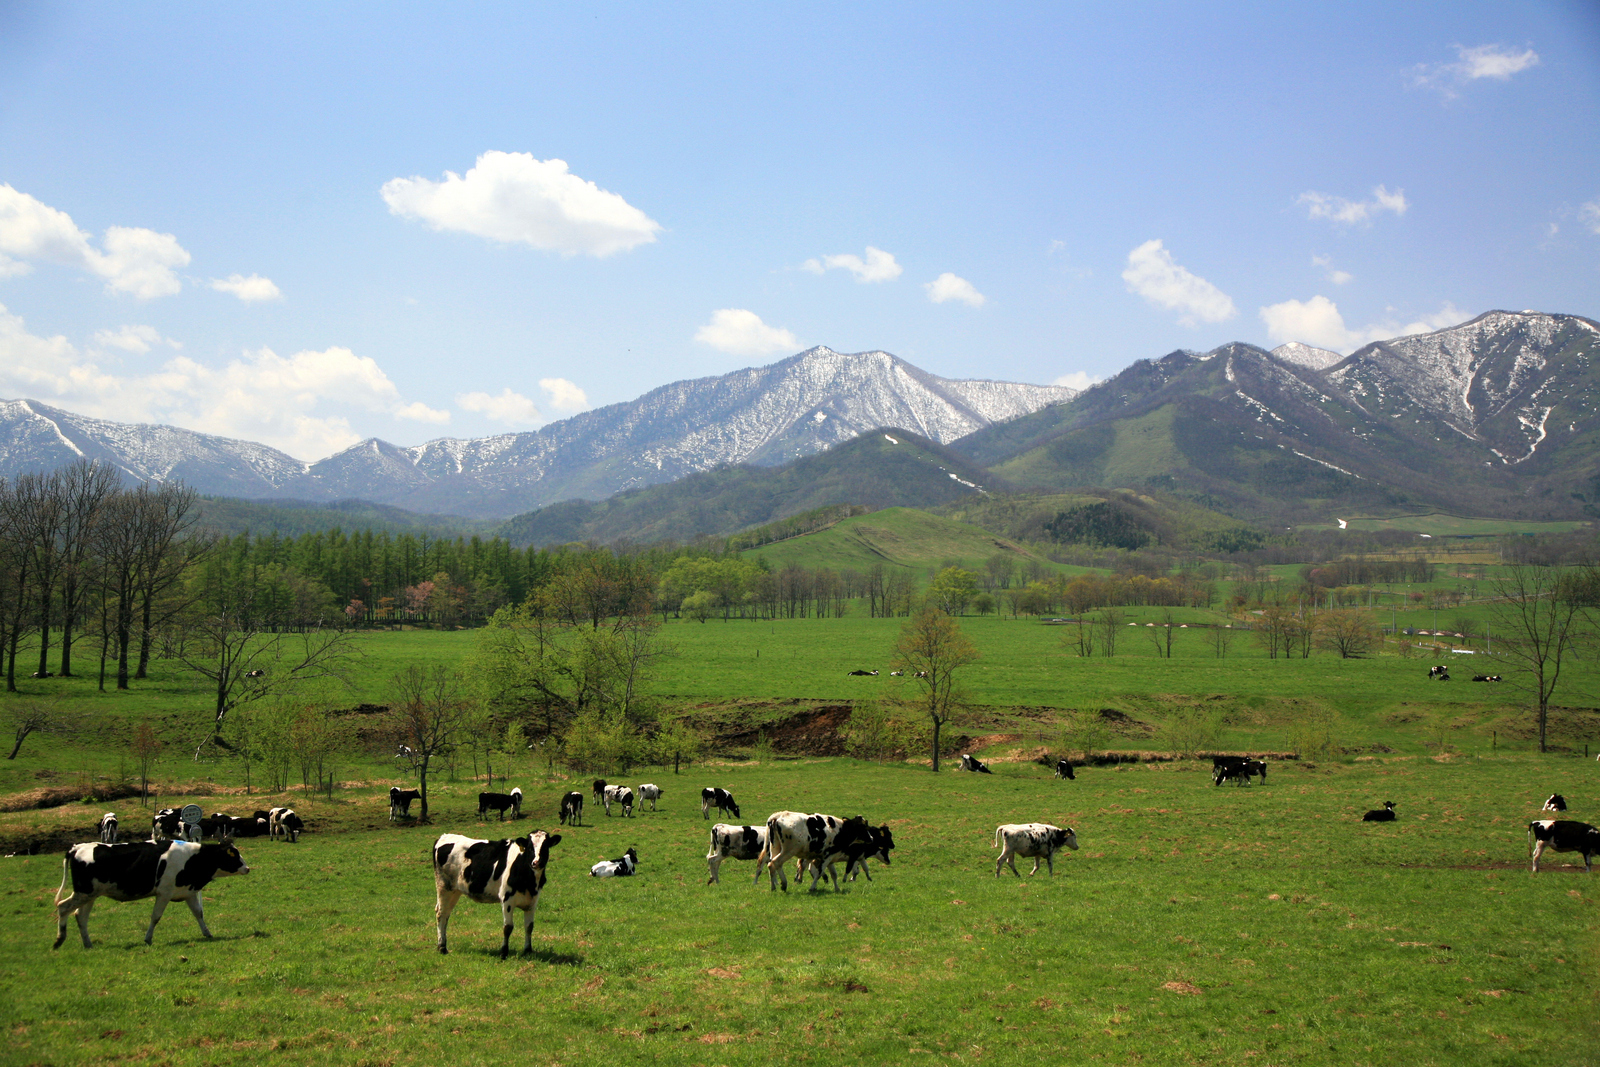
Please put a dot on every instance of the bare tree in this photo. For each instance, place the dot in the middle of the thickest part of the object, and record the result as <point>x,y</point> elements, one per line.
<point>1109,621</point>
<point>1540,616</point>
<point>146,745</point>
<point>930,651</point>
<point>167,546</point>
<point>430,715</point>
<point>31,716</point>
<point>86,489</point>
<point>1351,632</point>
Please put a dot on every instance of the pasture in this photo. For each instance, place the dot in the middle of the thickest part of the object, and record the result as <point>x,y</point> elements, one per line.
<point>1197,924</point>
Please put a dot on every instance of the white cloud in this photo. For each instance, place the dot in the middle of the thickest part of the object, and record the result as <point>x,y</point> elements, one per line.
<point>1351,212</point>
<point>564,395</point>
<point>948,286</point>
<point>514,198</point>
<point>1078,379</point>
<point>250,290</point>
<point>1317,322</point>
<point>294,403</point>
<point>879,266</point>
<point>742,333</point>
<point>417,411</point>
<point>1483,61</point>
<point>132,260</point>
<point>1153,274</point>
<point>508,407</point>
<point>1589,215</point>
<point>1337,277</point>
<point>137,339</point>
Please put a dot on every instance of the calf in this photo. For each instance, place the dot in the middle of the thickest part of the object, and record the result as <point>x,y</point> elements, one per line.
<point>622,867</point>
<point>500,802</point>
<point>878,845</point>
<point>1557,802</point>
<point>974,764</point>
<point>509,873</point>
<point>1383,814</point>
<point>572,808</point>
<point>649,792</point>
<point>719,798</point>
<point>168,871</point>
<point>166,825</point>
<point>284,823</point>
<point>736,843</point>
<point>108,828</point>
<point>400,802</point>
<point>816,839</point>
<point>1563,835</point>
<point>1064,769</point>
<point>1037,839</point>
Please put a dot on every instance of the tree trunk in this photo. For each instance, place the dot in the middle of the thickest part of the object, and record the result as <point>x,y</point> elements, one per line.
<point>422,787</point>
<point>937,723</point>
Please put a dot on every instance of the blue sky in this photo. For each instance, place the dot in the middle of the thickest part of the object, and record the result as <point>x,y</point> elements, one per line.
<point>307,227</point>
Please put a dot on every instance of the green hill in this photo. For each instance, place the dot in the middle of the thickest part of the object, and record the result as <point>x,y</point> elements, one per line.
<point>895,537</point>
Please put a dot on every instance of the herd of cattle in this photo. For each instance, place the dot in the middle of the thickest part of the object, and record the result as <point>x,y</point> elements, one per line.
<point>177,863</point>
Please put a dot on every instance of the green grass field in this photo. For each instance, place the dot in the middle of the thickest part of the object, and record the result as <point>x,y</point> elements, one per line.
<point>1439,524</point>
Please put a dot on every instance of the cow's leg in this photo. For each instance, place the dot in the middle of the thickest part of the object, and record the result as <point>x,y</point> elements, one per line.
<point>705,809</point>
<point>77,902</point>
<point>507,924</point>
<point>1538,850</point>
<point>198,908</point>
<point>713,861</point>
<point>1049,861</point>
<point>155,916</point>
<point>1035,866</point>
<point>441,910</point>
<point>527,927</point>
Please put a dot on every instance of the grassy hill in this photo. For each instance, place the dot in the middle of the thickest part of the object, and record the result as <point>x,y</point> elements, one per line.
<point>896,537</point>
<point>290,518</point>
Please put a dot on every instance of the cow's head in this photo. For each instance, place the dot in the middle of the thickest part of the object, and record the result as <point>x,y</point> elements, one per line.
<point>538,854</point>
<point>1067,838</point>
<point>883,841</point>
<point>229,861</point>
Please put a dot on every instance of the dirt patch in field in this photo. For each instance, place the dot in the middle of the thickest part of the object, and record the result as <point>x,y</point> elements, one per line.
<point>817,731</point>
<point>56,796</point>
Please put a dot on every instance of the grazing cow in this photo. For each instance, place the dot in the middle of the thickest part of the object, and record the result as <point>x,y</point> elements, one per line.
<point>1384,814</point>
<point>863,674</point>
<point>168,871</point>
<point>403,752</point>
<point>500,802</point>
<point>719,798</point>
<point>1037,839</point>
<point>108,828</point>
<point>1441,672</point>
<point>1563,835</point>
<point>241,827</point>
<point>622,867</point>
<point>814,839</point>
<point>400,802</point>
<point>1064,769</point>
<point>166,825</point>
<point>974,764</point>
<point>572,808</point>
<point>735,843</point>
<point>618,794</point>
<point>1557,802</point>
<point>509,873</point>
<point>1241,771</point>
<point>284,823</point>
<point>649,792</point>
<point>598,788</point>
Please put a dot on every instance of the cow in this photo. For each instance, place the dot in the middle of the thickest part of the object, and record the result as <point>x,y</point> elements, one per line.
<point>499,802</point>
<point>284,823</point>
<point>257,673</point>
<point>400,802</point>
<point>618,794</point>
<point>108,828</point>
<point>509,873</point>
<point>1383,814</point>
<point>598,788</point>
<point>863,674</point>
<point>1037,839</point>
<point>1241,771</point>
<point>974,764</point>
<point>877,846</point>
<point>1557,802</point>
<point>166,870</point>
<point>816,839</point>
<point>1563,835</point>
<point>719,798</point>
<point>649,792</point>
<point>736,843</point>
<point>572,808</point>
<point>622,867</point>
<point>402,752</point>
<point>1064,769</point>
<point>1441,672</point>
<point>166,825</point>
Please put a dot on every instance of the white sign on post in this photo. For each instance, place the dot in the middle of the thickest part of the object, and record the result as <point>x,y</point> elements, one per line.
<point>190,816</point>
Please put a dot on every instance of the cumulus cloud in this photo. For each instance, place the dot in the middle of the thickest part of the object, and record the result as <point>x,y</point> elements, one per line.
<point>136,339</point>
<point>132,260</point>
<point>295,403</point>
<point>1317,322</point>
<point>1337,277</point>
<point>1353,212</point>
<point>417,411</point>
<point>742,333</point>
<point>564,395</point>
<point>509,407</point>
<point>948,287</point>
<point>1589,215</point>
<point>514,198</point>
<point>1153,274</point>
<point>250,290</point>
<point>1078,379</point>
<point>879,266</point>
<point>1483,61</point>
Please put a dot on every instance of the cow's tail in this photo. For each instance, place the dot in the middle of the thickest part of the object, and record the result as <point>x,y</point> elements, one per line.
<point>66,878</point>
<point>1530,838</point>
<point>996,838</point>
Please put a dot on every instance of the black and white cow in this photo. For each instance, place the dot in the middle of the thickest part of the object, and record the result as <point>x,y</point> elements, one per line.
<point>1441,672</point>
<point>166,825</point>
<point>877,846</point>
<point>1241,771</point>
<point>509,873</point>
<point>1485,677</point>
<point>572,808</point>
<point>650,792</point>
<point>284,823</point>
<point>400,802</point>
<point>1383,814</point>
<point>108,828</point>
<point>719,798</point>
<point>1064,769</point>
<point>863,674</point>
<point>1037,839</point>
<point>500,803</point>
<point>622,867</point>
<point>618,794</point>
<point>1563,835</point>
<point>1557,802</point>
<point>166,870</point>
<point>729,842</point>
<point>816,839</point>
<point>974,764</point>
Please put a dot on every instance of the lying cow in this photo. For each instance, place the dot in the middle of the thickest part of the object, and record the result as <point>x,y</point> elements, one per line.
<point>816,839</point>
<point>618,794</point>
<point>1557,802</point>
<point>400,802</point>
<point>1064,769</point>
<point>108,828</point>
<point>509,873</point>
<point>1039,840</point>
<point>1383,814</point>
<point>284,823</point>
<point>1486,678</point>
<point>501,803</point>
<point>572,808</point>
<point>622,867</point>
<point>719,798</point>
<point>649,792</point>
<point>168,871</point>
<point>1563,835</point>
<point>974,764</point>
<point>736,843</point>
